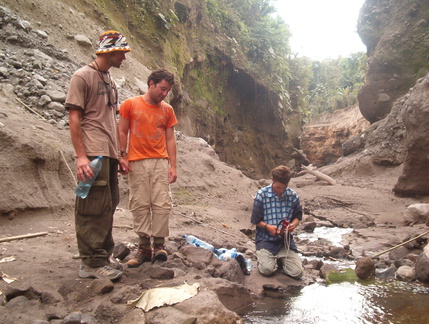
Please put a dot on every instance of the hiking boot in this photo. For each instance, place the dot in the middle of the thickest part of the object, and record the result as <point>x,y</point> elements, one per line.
<point>114,264</point>
<point>105,272</point>
<point>159,253</point>
<point>144,254</point>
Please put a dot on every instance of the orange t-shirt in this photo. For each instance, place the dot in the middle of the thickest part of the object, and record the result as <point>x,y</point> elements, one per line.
<point>147,128</point>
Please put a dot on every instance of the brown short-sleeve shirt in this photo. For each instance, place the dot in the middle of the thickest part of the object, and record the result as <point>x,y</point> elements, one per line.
<point>89,92</point>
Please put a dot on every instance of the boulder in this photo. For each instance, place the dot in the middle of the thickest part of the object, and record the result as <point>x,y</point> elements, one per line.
<point>422,266</point>
<point>231,294</point>
<point>416,214</point>
<point>195,254</point>
<point>415,178</point>
<point>365,268</point>
<point>398,253</point>
<point>406,273</point>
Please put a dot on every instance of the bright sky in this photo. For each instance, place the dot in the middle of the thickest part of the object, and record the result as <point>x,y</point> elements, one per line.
<point>322,28</point>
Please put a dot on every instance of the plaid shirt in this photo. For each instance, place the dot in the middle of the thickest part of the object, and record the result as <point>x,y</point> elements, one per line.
<point>271,209</point>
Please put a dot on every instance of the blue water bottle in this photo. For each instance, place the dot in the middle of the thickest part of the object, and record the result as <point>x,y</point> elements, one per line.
<point>83,187</point>
<point>197,242</point>
<point>225,254</point>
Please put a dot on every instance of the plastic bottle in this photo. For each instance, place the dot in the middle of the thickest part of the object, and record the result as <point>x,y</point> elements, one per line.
<point>83,187</point>
<point>225,254</point>
<point>197,242</point>
<point>249,264</point>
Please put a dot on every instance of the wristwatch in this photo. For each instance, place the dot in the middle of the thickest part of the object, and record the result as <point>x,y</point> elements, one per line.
<point>121,153</point>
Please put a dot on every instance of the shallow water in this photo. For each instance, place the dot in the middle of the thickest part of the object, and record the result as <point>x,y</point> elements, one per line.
<point>332,234</point>
<point>347,302</point>
<point>352,301</point>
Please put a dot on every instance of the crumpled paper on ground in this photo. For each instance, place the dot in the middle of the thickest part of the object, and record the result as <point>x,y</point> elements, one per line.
<point>162,296</point>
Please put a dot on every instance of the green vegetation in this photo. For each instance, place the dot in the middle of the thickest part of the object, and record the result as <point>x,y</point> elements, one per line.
<point>314,87</point>
<point>210,92</point>
<point>330,84</point>
<point>263,39</point>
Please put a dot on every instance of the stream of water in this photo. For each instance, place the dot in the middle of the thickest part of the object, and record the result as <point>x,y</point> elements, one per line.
<point>355,301</point>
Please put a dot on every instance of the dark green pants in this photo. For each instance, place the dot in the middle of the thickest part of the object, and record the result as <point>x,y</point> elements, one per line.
<point>94,216</point>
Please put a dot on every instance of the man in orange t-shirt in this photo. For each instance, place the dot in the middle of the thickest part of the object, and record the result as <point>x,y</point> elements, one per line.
<point>150,163</point>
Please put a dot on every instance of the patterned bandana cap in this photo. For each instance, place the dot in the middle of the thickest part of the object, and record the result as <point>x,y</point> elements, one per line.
<point>112,41</point>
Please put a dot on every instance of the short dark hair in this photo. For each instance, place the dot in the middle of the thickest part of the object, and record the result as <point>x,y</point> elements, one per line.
<point>281,174</point>
<point>161,74</point>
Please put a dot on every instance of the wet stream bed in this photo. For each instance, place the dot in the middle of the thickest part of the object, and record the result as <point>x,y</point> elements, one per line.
<point>345,301</point>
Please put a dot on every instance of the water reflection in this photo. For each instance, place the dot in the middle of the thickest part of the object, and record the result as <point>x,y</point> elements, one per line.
<point>355,302</point>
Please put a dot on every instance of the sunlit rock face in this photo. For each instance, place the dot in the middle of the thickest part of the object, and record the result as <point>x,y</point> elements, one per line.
<point>324,137</point>
<point>395,34</point>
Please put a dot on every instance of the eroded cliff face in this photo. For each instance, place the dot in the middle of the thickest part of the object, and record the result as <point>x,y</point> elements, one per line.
<point>415,177</point>
<point>220,95</point>
<point>396,33</point>
<point>251,126</point>
<point>324,137</point>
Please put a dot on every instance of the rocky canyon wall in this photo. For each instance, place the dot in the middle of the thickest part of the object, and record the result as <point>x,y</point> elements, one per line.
<point>394,96</point>
<point>396,34</point>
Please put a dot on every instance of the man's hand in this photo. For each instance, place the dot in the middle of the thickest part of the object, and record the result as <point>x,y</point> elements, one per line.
<point>83,168</point>
<point>293,225</point>
<point>273,230</point>
<point>172,175</point>
<point>124,166</point>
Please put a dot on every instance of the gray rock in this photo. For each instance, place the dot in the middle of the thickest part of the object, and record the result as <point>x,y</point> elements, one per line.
<point>416,214</point>
<point>406,273</point>
<point>41,33</point>
<point>167,314</point>
<point>157,272</point>
<point>4,72</point>
<point>37,65</point>
<point>101,286</point>
<point>120,251</point>
<point>231,294</point>
<point>207,308</point>
<point>124,294</point>
<point>403,262</point>
<point>56,106</point>
<point>17,301</point>
<point>398,253</point>
<point>338,252</point>
<point>175,263</point>
<point>195,254</point>
<point>309,227</point>
<point>44,100</point>
<point>422,266</point>
<point>50,297</point>
<point>230,270</point>
<point>41,79</point>
<point>78,318</point>
<point>83,40</point>
<point>56,95</point>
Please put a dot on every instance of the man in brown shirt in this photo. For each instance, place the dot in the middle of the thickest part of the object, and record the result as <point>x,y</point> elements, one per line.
<point>92,101</point>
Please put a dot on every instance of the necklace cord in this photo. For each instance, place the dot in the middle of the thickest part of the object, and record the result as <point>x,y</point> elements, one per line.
<point>110,87</point>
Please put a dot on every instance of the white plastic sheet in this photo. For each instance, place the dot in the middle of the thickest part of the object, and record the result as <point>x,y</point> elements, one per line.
<point>163,296</point>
